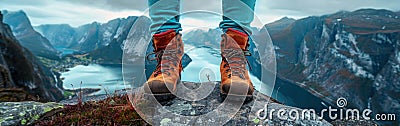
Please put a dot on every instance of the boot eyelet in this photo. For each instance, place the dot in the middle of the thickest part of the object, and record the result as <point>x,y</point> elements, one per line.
<point>241,76</point>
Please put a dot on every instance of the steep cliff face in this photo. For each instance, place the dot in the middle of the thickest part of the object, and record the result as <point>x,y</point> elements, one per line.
<point>59,35</point>
<point>354,55</point>
<point>22,77</point>
<point>114,33</point>
<point>347,54</point>
<point>27,36</point>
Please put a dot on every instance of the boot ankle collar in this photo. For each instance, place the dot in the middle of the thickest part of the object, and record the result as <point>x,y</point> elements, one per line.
<point>238,32</point>
<point>163,33</point>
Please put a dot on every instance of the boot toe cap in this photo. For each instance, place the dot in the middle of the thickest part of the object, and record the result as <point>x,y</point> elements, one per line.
<point>237,88</point>
<point>158,87</point>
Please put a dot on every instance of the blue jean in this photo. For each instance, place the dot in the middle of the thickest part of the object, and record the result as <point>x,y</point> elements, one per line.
<point>237,14</point>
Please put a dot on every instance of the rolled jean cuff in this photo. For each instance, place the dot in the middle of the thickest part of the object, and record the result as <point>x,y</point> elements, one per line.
<point>177,30</point>
<point>237,28</point>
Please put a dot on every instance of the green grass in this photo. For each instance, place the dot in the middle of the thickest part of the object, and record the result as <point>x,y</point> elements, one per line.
<point>116,110</point>
<point>68,93</point>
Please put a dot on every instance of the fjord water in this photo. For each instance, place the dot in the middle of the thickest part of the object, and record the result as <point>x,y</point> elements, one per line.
<point>107,77</point>
<point>64,50</point>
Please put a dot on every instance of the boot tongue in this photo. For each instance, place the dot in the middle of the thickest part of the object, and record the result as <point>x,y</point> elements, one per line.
<point>161,40</point>
<point>240,37</point>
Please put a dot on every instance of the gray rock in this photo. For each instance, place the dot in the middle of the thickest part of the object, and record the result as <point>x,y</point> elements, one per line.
<point>86,98</point>
<point>24,113</point>
<point>354,123</point>
<point>211,110</point>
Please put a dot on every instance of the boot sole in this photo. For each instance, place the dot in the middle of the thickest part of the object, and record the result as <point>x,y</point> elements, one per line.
<point>160,97</point>
<point>236,98</point>
<point>237,92</point>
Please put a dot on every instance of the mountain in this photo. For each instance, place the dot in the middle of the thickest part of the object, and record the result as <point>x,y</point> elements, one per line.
<point>27,36</point>
<point>279,25</point>
<point>113,33</point>
<point>22,76</point>
<point>59,35</point>
<point>355,55</point>
<point>103,43</point>
<point>88,37</point>
<point>209,37</point>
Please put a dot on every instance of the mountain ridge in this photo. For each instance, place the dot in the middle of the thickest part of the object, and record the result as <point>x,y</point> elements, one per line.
<point>27,36</point>
<point>336,58</point>
<point>22,76</point>
<point>278,25</point>
<point>345,54</point>
<point>87,37</point>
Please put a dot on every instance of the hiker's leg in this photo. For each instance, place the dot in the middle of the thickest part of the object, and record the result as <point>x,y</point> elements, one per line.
<point>235,79</point>
<point>168,48</point>
<point>238,14</point>
<point>164,15</point>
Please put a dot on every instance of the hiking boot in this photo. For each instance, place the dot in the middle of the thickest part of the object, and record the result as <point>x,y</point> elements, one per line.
<point>234,75</point>
<point>168,50</point>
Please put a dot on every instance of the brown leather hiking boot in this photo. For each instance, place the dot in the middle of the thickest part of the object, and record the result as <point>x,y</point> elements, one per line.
<point>234,75</point>
<point>168,48</point>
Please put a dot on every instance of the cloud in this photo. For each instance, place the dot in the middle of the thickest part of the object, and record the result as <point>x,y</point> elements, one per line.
<point>330,6</point>
<point>321,7</point>
<point>60,12</point>
<point>113,5</point>
<point>24,2</point>
<point>118,5</point>
<point>78,12</point>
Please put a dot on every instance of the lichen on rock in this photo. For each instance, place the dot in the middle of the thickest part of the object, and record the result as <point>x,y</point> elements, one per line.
<point>24,113</point>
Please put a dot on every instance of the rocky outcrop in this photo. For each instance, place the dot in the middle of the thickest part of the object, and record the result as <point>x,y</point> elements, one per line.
<point>353,123</point>
<point>157,113</point>
<point>27,36</point>
<point>24,113</point>
<point>210,109</point>
<point>22,76</point>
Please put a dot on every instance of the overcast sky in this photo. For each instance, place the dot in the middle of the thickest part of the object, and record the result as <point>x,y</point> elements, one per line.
<point>78,12</point>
